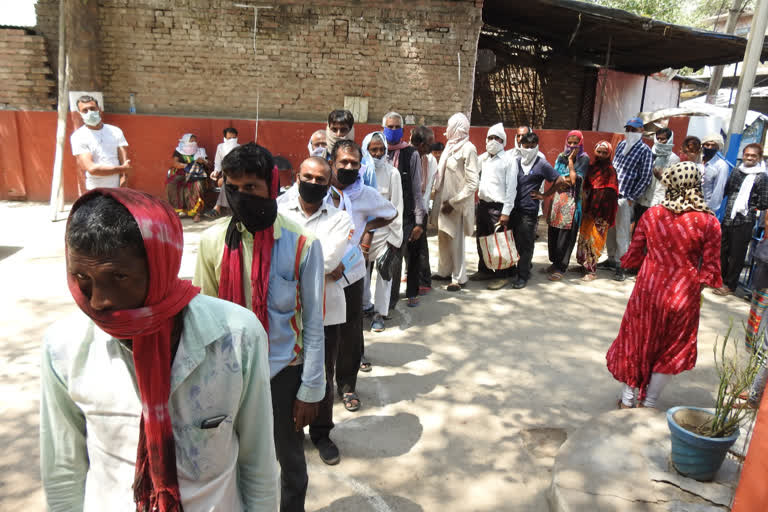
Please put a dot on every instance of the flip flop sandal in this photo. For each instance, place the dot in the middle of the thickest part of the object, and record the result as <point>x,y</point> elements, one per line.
<point>349,400</point>
<point>589,277</point>
<point>365,366</point>
<point>555,276</point>
<point>211,214</point>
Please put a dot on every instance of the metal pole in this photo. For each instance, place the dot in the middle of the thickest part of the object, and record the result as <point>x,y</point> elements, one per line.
<point>605,79</point>
<point>717,72</point>
<point>747,79</point>
<point>642,98</point>
<point>57,195</point>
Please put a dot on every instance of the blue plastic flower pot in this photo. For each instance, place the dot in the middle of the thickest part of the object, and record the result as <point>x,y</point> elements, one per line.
<point>696,456</point>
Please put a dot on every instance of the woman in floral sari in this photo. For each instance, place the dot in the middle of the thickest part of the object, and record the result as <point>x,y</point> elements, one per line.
<point>601,192</point>
<point>188,178</point>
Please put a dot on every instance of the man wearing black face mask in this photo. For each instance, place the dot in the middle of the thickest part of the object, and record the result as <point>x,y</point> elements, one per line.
<point>304,203</point>
<point>269,264</point>
<point>362,203</point>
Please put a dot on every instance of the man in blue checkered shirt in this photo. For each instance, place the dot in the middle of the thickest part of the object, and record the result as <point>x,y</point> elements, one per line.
<point>633,162</point>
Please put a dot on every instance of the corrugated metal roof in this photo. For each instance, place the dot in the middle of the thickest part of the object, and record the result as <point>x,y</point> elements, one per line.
<point>585,31</point>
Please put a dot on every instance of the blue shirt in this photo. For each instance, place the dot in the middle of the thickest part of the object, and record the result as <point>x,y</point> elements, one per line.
<point>294,302</point>
<point>633,170</point>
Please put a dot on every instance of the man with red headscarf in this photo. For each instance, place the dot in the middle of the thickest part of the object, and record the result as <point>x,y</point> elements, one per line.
<point>271,265</point>
<point>149,393</point>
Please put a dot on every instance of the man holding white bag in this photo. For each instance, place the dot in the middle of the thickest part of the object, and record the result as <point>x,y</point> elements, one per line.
<point>497,190</point>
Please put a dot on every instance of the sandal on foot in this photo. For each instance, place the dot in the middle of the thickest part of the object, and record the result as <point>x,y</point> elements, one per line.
<point>555,276</point>
<point>423,290</point>
<point>351,401</point>
<point>453,287</point>
<point>413,302</point>
<point>365,366</point>
<point>211,214</point>
<point>621,405</point>
<point>589,277</point>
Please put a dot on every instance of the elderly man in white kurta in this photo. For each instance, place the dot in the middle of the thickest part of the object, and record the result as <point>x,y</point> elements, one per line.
<point>455,200</point>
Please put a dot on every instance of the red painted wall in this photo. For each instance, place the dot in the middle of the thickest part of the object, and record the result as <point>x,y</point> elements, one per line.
<point>29,139</point>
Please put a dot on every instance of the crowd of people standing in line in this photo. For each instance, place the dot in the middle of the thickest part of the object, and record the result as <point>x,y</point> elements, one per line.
<point>158,380</point>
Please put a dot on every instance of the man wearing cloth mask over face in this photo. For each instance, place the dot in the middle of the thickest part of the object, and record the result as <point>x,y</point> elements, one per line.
<point>99,148</point>
<point>341,126</point>
<point>317,144</point>
<point>407,160</point>
<point>304,203</point>
<point>267,263</point>
<point>663,158</point>
<point>497,189</point>
<point>455,189</point>
<point>746,192</point>
<point>715,171</point>
<point>633,161</point>
<point>151,393</point>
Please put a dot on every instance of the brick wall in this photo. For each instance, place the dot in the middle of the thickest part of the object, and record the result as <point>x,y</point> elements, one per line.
<point>27,79</point>
<point>565,94</point>
<point>195,57</point>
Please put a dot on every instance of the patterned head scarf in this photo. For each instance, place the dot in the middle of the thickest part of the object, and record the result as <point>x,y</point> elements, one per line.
<point>683,194</point>
<point>605,144</point>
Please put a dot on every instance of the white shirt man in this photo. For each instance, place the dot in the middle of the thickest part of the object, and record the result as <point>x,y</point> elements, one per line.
<point>304,203</point>
<point>99,148</point>
<point>496,191</point>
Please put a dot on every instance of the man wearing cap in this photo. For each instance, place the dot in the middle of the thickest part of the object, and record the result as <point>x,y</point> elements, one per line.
<point>633,162</point>
<point>497,189</point>
<point>715,173</point>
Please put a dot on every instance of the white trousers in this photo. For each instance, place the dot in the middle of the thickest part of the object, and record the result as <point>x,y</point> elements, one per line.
<point>382,293</point>
<point>619,236</point>
<point>653,392</point>
<point>452,261</point>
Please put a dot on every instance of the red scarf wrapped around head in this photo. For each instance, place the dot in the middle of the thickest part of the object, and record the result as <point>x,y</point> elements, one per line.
<point>156,485</point>
<point>231,279</point>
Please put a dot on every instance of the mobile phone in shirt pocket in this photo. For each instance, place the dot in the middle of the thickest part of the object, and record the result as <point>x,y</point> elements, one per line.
<point>212,422</point>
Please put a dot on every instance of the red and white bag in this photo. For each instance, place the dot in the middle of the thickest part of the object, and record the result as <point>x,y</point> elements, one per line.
<point>499,251</point>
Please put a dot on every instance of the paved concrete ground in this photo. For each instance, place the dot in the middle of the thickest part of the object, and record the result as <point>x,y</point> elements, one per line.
<point>470,395</point>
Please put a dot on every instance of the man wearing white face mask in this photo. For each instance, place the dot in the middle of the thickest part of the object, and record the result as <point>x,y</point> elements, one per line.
<point>100,148</point>
<point>633,162</point>
<point>532,170</point>
<point>317,144</point>
<point>390,237</point>
<point>497,189</point>
<point>222,150</point>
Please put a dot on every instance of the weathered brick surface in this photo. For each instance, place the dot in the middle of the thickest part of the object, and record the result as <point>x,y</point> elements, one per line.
<point>195,57</point>
<point>27,79</point>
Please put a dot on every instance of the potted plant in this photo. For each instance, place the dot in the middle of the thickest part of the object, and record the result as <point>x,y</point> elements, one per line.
<point>701,438</point>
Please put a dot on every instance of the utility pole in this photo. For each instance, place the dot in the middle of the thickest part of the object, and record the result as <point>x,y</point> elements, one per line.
<point>717,71</point>
<point>747,79</point>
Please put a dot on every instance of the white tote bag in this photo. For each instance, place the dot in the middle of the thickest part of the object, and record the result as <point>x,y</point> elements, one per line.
<point>499,251</point>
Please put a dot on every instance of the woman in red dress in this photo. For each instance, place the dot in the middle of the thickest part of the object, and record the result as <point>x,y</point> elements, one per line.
<point>677,247</point>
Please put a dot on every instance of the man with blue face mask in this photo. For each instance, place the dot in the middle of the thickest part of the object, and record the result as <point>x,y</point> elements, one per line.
<point>100,149</point>
<point>406,159</point>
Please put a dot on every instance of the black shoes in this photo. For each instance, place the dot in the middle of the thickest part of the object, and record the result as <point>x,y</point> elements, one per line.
<point>519,283</point>
<point>328,451</point>
<point>607,264</point>
<point>620,275</point>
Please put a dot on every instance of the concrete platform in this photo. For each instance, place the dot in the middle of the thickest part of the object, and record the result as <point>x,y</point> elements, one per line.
<point>619,461</point>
